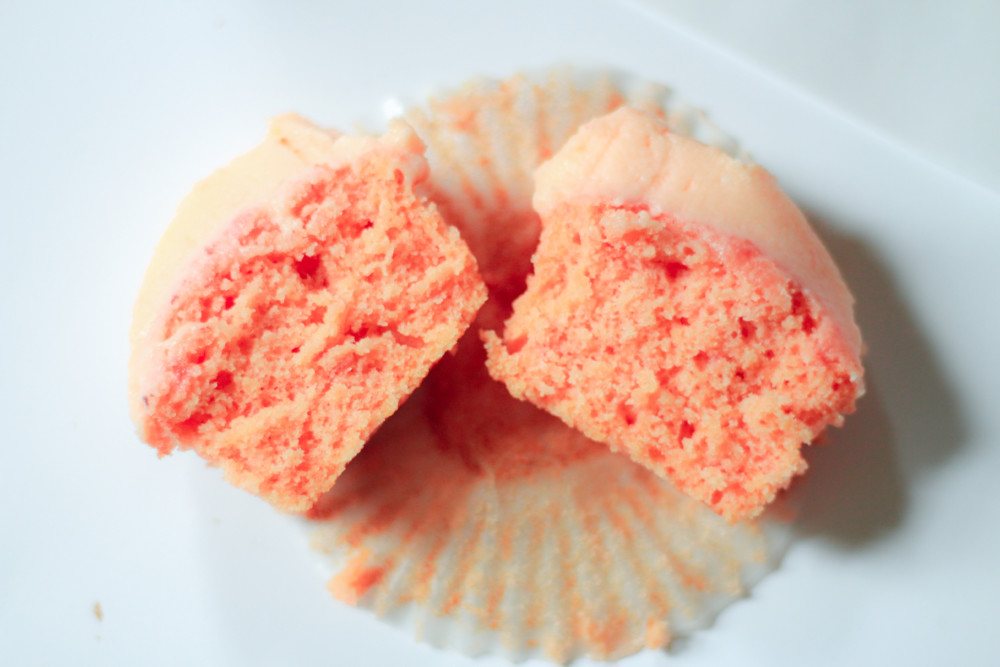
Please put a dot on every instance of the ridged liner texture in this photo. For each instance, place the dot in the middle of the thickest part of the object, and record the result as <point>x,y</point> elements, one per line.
<point>479,521</point>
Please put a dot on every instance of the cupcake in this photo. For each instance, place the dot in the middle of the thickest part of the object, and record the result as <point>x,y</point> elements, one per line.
<point>298,296</point>
<point>481,521</point>
<point>680,310</point>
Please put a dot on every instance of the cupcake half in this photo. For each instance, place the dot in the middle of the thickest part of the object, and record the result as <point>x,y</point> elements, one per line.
<point>298,296</point>
<point>682,311</point>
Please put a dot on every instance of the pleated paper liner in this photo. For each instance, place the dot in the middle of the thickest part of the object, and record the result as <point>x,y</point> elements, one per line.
<point>483,523</point>
<point>488,526</point>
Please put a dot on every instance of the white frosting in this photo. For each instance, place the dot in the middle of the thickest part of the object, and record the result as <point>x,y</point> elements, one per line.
<point>630,157</point>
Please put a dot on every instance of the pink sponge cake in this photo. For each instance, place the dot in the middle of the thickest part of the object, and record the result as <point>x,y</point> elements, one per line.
<point>298,296</point>
<point>681,310</point>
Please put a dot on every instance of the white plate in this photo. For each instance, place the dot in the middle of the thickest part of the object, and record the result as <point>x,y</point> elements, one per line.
<point>111,112</point>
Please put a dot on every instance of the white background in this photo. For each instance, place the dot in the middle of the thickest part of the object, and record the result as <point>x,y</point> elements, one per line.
<point>111,111</point>
<point>925,73</point>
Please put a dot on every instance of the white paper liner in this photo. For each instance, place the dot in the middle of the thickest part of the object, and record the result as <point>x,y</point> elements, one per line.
<point>597,557</point>
<point>484,524</point>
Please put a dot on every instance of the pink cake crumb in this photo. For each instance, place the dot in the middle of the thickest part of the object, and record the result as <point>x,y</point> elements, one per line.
<point>669,337</point>
<point>302,325</point>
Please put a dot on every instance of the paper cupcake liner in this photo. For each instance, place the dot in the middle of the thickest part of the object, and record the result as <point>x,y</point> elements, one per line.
<point>528,540</point>
<point>483,523</point>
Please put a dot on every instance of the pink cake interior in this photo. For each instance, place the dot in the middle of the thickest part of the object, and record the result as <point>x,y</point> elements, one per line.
<point>687,348</point>
<point>303,325</point>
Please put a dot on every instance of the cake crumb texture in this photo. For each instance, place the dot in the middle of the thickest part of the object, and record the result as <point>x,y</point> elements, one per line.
<point>304,323</point>
<point>680,344</point>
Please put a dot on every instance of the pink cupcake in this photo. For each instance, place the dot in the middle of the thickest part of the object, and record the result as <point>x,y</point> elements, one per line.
<point>299,295</point>
<point>682,311</point>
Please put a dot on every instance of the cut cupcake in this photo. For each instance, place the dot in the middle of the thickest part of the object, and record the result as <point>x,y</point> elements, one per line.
<point>681,310</point>
<point>298,296</point>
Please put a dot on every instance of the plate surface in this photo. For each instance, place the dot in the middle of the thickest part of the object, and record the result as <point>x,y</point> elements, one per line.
<point>112,112</point>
